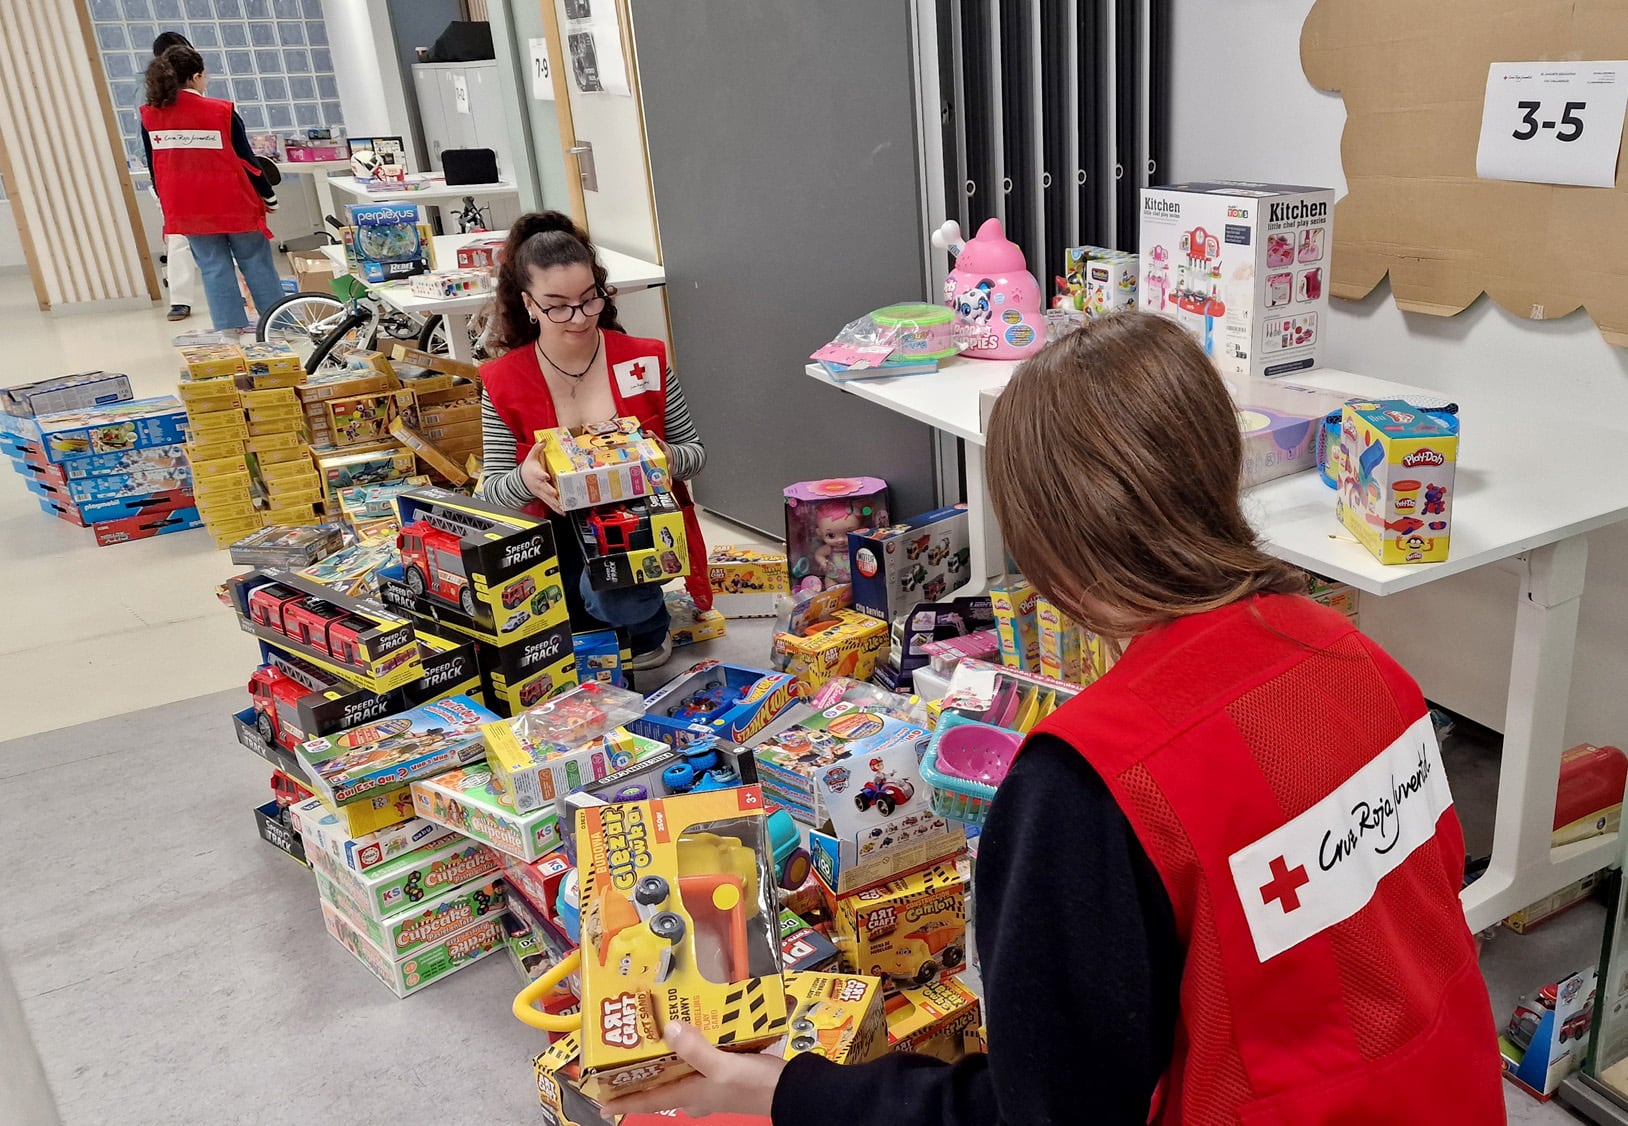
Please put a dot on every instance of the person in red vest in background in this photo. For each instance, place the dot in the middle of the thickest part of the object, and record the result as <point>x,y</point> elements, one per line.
<point>1221,884</point>
<point>210,185</point>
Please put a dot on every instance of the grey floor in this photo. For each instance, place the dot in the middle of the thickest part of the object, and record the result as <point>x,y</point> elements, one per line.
<point>174,969</point>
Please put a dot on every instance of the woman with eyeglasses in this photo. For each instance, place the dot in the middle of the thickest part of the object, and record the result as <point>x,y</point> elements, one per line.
<point>568,363</point>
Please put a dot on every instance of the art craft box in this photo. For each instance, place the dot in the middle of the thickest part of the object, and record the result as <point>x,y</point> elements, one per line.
<point>422,968</point>
<point>417,925</point>
<point>732,702</point>
<point>918,560</point>
<point>660,771</point>
<point>1244,268</point>
<point>412,878</point>
<point>487,572</point>
<point>940,1019</point>
<point>746,581</point>
<point>323,830</point>
<point>908,931</point>
<point>847,644</point>
<point>1014,602</point>
<point>603,462</point>
<point>558,746</point>
<point>1395,469</point>
<point>113,428</point>
<point>354,638</point>
<point>85,390</point>
<point>838,1016</point>
<point>678,921</point>
<point>523,674</point>
<point>471,802</point>
<point>391,752</point>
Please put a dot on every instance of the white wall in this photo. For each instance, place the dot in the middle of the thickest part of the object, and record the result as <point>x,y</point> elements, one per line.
<point>372,88</point>
<point>1242,109</point>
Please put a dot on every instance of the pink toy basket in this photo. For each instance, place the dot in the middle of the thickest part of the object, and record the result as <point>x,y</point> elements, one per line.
<point>964,764</point>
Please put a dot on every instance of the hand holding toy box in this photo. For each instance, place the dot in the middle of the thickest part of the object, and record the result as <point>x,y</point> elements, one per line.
<point>1396,479</point>
<point>603,462</point>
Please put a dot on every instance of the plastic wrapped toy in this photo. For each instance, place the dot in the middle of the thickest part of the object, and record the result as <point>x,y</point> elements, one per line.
<point>819,516</point>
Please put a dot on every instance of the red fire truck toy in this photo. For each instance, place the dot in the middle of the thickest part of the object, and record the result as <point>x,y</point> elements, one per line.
<point>276,704</point>
<point>309,621</point>
<point>613,527</point>
<point>432,562</point>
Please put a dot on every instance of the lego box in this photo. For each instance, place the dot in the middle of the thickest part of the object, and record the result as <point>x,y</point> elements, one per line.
<point>603,462</point>
<point>918,560</point>
<point>1244,268</point>
<point>1395,469</point>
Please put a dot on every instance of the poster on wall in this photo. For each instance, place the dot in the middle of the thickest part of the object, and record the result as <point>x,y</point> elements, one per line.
<point>593,39</point>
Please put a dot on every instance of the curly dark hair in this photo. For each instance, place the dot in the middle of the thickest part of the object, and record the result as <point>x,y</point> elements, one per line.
<point>167,73</point>
<point>540,240</point>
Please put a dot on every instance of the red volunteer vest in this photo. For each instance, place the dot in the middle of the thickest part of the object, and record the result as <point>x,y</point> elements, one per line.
<point>518,392</point>
<point>1280,771</point>
<point>201,182</point>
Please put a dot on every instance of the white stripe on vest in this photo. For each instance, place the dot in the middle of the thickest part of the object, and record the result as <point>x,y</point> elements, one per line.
<point>185,138</point>
<point>1324,866</point>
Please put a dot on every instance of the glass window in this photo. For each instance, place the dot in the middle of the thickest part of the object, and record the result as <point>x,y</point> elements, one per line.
<point>138,9</point>
<point>245,90</point>
<point>203,34</point>
<point>297,62</point>
<point>110,37</point>
<point>316,34</point>
<point>268,62</point>
<point>167,9</point>
<point>117,65</point>
<point>302,87</point>
<point>263,33</point>
<point>240,62</point>
<point>279,116</point>
<point>200,9</point>
<point>234,34</point>
<point>291,33</point>
<point>273,88</point>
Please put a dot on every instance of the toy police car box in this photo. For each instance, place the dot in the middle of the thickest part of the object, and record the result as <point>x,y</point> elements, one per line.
<point>917,560</point>
<point>488,572</point>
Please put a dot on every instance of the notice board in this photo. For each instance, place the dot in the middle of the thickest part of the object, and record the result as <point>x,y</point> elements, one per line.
<point>1413,76</point>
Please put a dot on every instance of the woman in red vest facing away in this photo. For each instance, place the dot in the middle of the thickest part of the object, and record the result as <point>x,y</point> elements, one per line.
<point>1219,886</point>
<point>209,185</point>
<point>568,363</point>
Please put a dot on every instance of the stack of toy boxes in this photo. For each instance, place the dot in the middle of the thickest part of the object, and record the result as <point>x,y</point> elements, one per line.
<point>1101,280</point>
<point>490,574</point>
<point>20,434</point>
<point>100,469</point>
<point>613,482</point>
<point>445,411</point>
<point>217,437</point>
<point>1067,650</point>
<point>746,581</point>
<point>371,376</point>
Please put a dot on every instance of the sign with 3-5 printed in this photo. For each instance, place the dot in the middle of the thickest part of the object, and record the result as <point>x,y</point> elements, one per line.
<point>1553,122</point>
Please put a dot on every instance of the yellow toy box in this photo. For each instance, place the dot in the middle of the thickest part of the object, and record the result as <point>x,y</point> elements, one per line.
<point>1014,604</point>
<point>273,357</point>
<point>838,1016</point>
<point>213,361</point>
<point>847,644</point>
<point>908,931</point>
<point>637,541</point>
<point>940,1020</point>
<point>679,921</point>
<point>747,570</point>
<point>603,462</point>
<point>1395,468</point>
<point>559,1070</point>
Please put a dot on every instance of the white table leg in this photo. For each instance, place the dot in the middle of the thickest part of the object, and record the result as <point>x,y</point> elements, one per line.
<point>1524,867</point>
<point>987,559</point>
<point>325,201</point>
<point>457,330</point>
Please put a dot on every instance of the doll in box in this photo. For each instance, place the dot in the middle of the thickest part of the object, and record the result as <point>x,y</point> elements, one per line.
<point>819,516</point>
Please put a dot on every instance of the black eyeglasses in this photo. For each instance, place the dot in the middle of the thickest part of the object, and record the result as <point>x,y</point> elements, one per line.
<point>560,314</point>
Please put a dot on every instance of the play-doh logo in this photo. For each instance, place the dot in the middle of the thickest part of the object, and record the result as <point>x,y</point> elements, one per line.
<point>1425,456</point>
<point>619,1021</point>
<point>625,837</point>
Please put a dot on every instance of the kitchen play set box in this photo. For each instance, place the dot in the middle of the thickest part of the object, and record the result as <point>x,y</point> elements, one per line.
<point>631,542</point>
<point>918,560</point>
<point>486,572</point>
<point>1395,467</point>
<point>603,462</point>
<point>1244,268</point>
<point>678,921</point>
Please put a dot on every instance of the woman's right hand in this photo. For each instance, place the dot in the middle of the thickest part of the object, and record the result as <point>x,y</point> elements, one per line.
<point>535,476</point>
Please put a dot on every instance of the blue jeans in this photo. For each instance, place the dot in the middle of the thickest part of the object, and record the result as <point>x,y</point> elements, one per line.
<point>638,610</point>
<point>251,251</point>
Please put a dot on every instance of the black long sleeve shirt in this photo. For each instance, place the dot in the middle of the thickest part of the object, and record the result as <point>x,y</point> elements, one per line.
<point>1082,971</point>
<point>240,146</point>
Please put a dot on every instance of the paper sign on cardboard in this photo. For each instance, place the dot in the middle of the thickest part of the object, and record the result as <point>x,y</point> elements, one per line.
<point>1553,123</point>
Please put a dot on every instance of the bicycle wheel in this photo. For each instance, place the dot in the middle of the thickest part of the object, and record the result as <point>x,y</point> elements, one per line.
<point>434,337</point>
<point>300,320</point>
<point>342,338</point>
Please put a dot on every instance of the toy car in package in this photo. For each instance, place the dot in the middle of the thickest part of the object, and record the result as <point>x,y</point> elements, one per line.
<point>679,922</point>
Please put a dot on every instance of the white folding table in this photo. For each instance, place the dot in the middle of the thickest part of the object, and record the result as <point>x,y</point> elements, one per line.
<point>432,192</point>
<point>1529,487</point>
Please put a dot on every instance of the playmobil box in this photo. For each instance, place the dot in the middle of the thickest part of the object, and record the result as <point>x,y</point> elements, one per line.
<point>487,572</point>
<point>603,462</point>
<point>471,802</point>
<point>918,560</point>
<point>746,580</point>
<point>523,674</point>
<point>112,428</point>
<point>1244,268</point>
<point>679,920</point>
<point>848,644</point>
<point>838,1016</point>
<point>416,925</point>
<point>322,830</point>
<point>640,541</point>
<point>82,391</point>
<point>940,1019</point>
<point>1395,469</point>
<point>907,931</point>
<point>151,459</point>
<point>413,877</point>
<point>1014,602</point>
<point>391,752</point>
<point>733,702</point>
<point>427,965</point>
<point>355,638</point>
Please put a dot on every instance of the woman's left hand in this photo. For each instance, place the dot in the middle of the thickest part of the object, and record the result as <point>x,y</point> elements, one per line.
<point>724,1083</point>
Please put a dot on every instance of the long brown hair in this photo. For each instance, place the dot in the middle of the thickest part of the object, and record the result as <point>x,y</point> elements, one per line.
<point>540,240</point>
<point>1114,462</point>
<point>168,72</point>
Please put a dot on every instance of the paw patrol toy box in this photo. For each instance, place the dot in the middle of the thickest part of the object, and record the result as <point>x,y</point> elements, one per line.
<point>603,462</point>
<point>793,750</point>
<point>919,560</point>
<point>679,921</point>
<point>632,542</point>
<point>1244,268</point>
<point>1395,469</point>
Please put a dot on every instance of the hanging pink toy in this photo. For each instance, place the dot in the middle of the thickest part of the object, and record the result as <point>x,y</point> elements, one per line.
<point>997,301</point>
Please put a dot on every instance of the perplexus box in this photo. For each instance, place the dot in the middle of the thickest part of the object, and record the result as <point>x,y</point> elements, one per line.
<point>1243,267</point>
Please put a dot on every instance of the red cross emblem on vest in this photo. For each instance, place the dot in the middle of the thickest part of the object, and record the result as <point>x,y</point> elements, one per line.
<point>638,372</point>
<point>1285,885</point>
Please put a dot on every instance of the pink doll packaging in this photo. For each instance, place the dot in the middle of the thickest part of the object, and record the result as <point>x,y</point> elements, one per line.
<point>819,516</point>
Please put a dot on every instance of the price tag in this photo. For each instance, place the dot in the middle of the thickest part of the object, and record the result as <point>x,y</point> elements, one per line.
<point>1553,122</point>
<point>460,93</point>
<point>542,78</point>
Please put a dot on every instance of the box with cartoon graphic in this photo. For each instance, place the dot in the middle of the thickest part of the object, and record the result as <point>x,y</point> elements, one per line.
<point>416,925</point>
<point>603,462</point>
<point>112,428</point>
<point>322,829</point>
<point>907,931</point>
<point>632,542</point>
<point>560,746</point>
<point>746,580</point>
<point>792,750</point>
<point>838,1016</point>
<point>846,644</point>
<point>1395,468</point>
<point>917,560</point>
<point>1014,602</point>
<point>427,965</point>
<point>733,702</point>
<point>391,752</point>
<point>413,877</point>
<point>940,1019</point>
<point>471,802</point>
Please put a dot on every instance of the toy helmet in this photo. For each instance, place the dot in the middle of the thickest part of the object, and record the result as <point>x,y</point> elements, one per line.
<point>365,163</point>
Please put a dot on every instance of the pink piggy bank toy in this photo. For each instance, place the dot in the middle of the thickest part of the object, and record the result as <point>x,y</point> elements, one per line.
<point>997,301</point>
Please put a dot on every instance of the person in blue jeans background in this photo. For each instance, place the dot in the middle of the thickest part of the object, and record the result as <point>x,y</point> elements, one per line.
<point>210,185</point>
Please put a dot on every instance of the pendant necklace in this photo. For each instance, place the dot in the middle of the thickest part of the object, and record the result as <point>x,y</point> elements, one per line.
<point>574,376</point>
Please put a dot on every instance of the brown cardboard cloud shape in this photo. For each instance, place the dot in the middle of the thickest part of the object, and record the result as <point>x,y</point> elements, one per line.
<point>1413,74</point>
